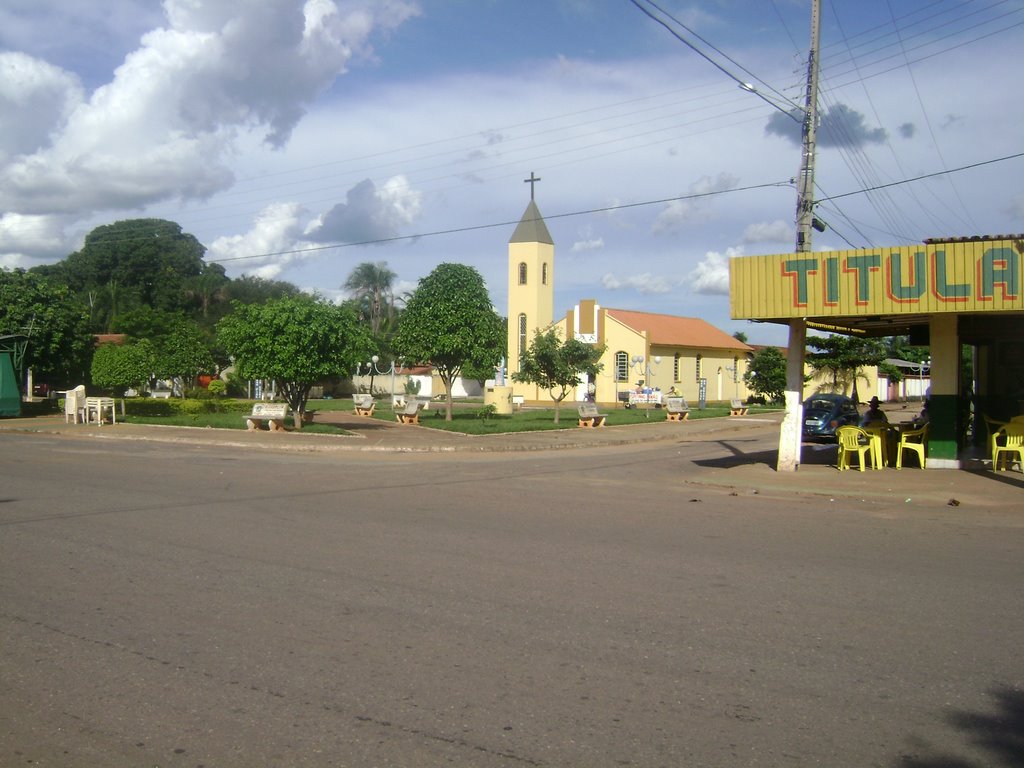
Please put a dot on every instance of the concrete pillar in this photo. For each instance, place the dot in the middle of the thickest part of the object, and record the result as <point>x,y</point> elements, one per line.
<point>791,433</point>
<point>944,400</point>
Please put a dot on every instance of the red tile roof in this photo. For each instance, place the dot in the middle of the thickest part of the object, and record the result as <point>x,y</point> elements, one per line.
<point>670,330</point>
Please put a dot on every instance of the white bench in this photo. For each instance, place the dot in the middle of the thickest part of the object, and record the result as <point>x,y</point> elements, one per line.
<point>272,413</point>
<point>589,417</point>
<point>736,408</point>
<point>676,409</point>
<point>161,394</point>
<point>410,414</point>
<point>364,404</point>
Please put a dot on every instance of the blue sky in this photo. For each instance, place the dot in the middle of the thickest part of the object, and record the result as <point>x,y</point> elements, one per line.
<point>280,132</point>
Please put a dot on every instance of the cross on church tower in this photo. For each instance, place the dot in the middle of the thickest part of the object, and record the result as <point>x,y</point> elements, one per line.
<point>531,181</point>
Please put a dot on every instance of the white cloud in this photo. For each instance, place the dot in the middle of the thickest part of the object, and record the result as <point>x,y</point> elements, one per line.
<point>369,214</point>
<point>40,95</point>
<point>593,244</point>
<point>777,231</point>
<point>645,283</point>
<point>277,228</point>
<point>679,212</point>
<point>711,276</point>
<point>165,125</point>
<point>25,238</point>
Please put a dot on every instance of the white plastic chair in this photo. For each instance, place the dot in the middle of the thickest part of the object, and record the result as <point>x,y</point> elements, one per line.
<point>74,405</point>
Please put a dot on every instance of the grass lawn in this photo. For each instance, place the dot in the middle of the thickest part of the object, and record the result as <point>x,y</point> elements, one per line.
<point>465,417</point>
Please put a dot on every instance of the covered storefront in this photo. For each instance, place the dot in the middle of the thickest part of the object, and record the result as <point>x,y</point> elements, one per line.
<point>943,294</point>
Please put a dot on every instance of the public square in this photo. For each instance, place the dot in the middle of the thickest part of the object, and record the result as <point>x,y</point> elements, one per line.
<point>179,598</point>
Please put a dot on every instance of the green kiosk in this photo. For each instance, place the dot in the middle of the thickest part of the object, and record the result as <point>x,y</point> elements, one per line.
<point>12,352</point>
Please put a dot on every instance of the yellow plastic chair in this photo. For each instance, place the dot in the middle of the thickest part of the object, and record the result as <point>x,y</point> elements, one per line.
<point>994,430</point>
<point>878,434</point>
<point>912,440</point>
<point>1014,432</point>
<point>853,440</point>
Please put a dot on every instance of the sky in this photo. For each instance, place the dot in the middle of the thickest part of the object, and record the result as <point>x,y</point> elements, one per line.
<point>297,140</point>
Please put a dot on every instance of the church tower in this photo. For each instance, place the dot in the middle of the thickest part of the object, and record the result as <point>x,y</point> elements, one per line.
<point>531,287</point>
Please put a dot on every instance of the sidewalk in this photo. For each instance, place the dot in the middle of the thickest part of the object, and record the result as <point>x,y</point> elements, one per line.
<point>740,472</point>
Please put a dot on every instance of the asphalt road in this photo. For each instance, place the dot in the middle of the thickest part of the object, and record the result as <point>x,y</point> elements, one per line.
<point>164,605</point>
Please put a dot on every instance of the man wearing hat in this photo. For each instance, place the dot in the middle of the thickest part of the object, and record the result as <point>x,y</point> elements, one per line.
<point>873,414</point>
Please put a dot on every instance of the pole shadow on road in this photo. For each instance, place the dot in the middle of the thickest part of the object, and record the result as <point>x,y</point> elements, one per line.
<point>821,454</point>
<point>999,734</point>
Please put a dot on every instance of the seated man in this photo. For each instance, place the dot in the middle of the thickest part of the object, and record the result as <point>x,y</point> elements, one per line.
<point>873,414</point>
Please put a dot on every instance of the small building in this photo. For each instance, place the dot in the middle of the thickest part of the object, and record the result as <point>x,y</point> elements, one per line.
<point>651,351</point>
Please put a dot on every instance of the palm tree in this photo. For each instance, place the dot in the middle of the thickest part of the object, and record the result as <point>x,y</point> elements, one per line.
<point>371,287</point>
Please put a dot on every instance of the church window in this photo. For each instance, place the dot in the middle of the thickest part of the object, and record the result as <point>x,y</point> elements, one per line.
<point>621,366</point>
<point>699,372</point>
<point>675,368</point>
<point>522,273</point>
<point>544,273</point>
<point>522,337</point>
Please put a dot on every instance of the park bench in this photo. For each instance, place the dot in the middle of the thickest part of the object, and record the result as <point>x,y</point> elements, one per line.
<point>364,404</point>
<point>589,417</point>
<point>736,408</point>
<point>676,409</point>
<point>410,414</point>
<point>272,413</point>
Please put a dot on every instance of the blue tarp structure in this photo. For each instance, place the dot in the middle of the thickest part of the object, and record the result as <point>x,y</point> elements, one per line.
<point>10,396</point>
<point>12,355</point>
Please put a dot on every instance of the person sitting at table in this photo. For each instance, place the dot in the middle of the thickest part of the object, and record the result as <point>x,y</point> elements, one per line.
<point>873,414</point>
<point>922,418</point>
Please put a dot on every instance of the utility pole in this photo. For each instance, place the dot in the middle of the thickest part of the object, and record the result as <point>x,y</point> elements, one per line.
<point>792,424</point>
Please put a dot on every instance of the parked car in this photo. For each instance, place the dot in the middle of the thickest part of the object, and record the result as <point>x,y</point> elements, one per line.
<point>825,413</point>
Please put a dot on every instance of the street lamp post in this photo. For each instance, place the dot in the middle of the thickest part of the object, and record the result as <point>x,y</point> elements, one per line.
<point>643,367</point>
<point>374,369</point>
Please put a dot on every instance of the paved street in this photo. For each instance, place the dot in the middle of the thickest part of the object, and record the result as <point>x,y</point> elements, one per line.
<point>194,604</point>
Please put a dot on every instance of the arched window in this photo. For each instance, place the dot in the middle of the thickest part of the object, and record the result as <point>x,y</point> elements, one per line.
<point>522,273</point>
<point>522,335</point>
<point>621,366</point>
<point>544,273</point>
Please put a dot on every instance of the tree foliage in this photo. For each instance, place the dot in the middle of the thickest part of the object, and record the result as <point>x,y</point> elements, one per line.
<point>555,365</point>
<point>182,353</point>
<point>766,374</point>
<point>841,357</point>
<point>294,341</point>
<point>128,264</point>
<point>118,367</point>
<point>60,345</point>
<point>371,288</point>
<point>449,322</point>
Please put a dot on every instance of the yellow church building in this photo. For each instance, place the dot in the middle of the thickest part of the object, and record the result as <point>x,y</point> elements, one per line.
<point>654,352</point>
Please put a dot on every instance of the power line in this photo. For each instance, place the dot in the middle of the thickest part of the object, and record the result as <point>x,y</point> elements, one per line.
<point>476,227</point>
<point>924,176</point>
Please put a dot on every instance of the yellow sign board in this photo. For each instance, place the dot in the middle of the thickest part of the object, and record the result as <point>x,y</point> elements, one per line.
<point>964,276</point>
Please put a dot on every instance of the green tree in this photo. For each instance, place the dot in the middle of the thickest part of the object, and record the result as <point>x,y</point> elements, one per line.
<point>841,357</point>
<point>556,365</point>
<point>248,289</point>
<point>182,354</point>
<point>371,288</point>
<point>766,374</point>
<point>295,341</point>
<point>449,322</point>
<point>59,345</point>
<point>118,367</point>
<point>139,262</point>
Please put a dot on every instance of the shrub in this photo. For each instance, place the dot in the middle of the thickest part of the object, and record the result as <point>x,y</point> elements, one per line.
<point>217,388</point>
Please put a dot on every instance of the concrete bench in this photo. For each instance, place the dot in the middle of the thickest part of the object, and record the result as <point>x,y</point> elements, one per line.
<point>410,414</point>
<point>364,404</point>
<point>589,417</point>
<point>736,408</point>
<point>272,413</point>
<point>676,409</point>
